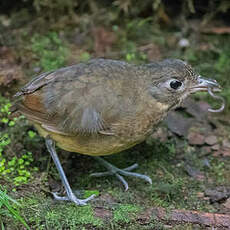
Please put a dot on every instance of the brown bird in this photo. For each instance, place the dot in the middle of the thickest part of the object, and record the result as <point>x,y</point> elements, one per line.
<point>105,106</point>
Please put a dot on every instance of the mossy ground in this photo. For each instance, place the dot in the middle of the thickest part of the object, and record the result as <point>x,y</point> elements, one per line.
<point>172,188</point>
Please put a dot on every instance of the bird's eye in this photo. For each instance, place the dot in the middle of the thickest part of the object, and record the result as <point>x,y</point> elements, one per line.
<point>175,84</point>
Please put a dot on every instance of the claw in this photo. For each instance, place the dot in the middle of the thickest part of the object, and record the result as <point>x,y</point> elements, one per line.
<point>123,181</point>
<point>119,173</point>
<point>73,198</point>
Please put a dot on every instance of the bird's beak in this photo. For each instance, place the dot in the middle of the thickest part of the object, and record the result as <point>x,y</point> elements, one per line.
<point>205,84</point>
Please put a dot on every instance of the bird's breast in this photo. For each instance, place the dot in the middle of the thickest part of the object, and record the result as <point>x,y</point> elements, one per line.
<point>141,124</point>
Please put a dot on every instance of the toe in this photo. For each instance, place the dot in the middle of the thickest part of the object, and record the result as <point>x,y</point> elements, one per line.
<point>123,181</point>
<point>81,202</point>
<point>73,199</point>
<point>89,198</point>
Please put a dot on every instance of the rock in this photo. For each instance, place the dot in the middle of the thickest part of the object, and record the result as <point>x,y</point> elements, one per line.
<point>211,140</point>
<point>227,203</point>
<point>218,194</point>
<point>204,106</point>
<point>193,172</point>
<point>215,147</point>
<point>225,152</point>
<point>178,124</point>
<point>195,138</point>
<point>198,110</point>
<point>226,143</point>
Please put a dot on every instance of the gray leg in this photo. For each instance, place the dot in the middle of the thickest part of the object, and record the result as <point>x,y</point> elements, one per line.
<point>119,173</point>
<point>70,195</point>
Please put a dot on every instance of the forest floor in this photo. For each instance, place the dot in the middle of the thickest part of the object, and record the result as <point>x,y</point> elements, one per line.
<point>188,157</point>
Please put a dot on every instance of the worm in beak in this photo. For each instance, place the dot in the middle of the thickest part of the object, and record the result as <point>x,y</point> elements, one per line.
<point>211,86</point>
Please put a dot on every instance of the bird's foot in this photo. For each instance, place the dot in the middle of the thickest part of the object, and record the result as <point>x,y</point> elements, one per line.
<point>119,173</point>
<point>71,197</point>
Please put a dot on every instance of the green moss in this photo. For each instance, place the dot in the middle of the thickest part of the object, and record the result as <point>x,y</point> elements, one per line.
<point>43,213</point>
<point>88,193</point>
<point>85,56</point>
<point>71,217</point>
<point>49,50</point>
<point>125,213</point>
<point>220,171</point>
<point>14,167</point>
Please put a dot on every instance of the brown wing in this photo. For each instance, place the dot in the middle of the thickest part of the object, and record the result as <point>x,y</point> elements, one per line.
<point>81,99</point>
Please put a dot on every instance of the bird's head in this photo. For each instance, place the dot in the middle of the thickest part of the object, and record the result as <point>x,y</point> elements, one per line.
<point>173,80</point>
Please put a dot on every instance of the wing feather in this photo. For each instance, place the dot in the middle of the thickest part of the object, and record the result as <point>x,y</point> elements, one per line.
<point>78,100</point>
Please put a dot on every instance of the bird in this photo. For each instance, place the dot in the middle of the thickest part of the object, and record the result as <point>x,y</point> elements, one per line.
<point>105,106</point>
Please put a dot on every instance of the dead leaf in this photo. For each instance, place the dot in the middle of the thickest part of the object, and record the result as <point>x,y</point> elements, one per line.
<point>152,50</point>
<point>54,185</point>
<point>102,213</point>
<point>200,195</point>
<point>216,30</point>
<point>10,71</point>
<point>205,46</point>
<point>103,40</point>
<point>124,5</point>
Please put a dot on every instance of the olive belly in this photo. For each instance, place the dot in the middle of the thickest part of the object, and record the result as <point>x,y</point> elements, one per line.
<point>93,145</point>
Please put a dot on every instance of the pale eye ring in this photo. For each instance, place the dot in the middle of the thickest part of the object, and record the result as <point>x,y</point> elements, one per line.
<point>175,84</point>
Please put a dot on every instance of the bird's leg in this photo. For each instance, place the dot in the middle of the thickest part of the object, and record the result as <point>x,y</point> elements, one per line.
<point>119,173</point>
<point>50,144</point>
